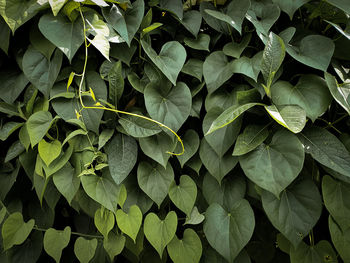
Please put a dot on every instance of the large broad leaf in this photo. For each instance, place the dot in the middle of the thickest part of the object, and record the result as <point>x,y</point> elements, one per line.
<point>104,221</point>
<point>192,21</point>
<point>170,60</point>
<point>183,195</point>
<point>129,223</point>
<point>15,231</point>
<point>160,232</point>
<point>188,249</point>
<point>138,127</point>
<point>340,239</point>
<point>114,244</point>
<point>40,43</point>
<point>290,6</point>
<point>229,231</point>
<point>322,252</point>
<point>213,22</point>
<point>191,145</point>
<point>218,166</point>
<point>275,165</point>
<point>169,105</point>
<point>40,71</point>
<point>216,70</point>
<point>249,67</point>
<point>122,156</point>
<point>200,43</point>
<point>336,196</point>
<point>341,93</point>
<point>310,93</point>
<point>84,249</point>
<point>13,83</point>
<point>17,12</point>
<point>296,211</point>
<point>64,34</point>
<point>55,241</point>
<point>155,180</point>
<point>341,4</point>
<point>234,49</point>
<point>38,124</point>
<point>292,117</point>
<point>313,50</point>
<point>325,148</point>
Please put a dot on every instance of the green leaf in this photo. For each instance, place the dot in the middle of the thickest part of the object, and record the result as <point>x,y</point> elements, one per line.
<point>275,165</point>
<point>193,67</point>
<point>290,6</point>
<point>129,223</point>
<point>188,249</point>
<point>55,241</point>
<point>273,57</point>
<point>155,180</point>
<point>174,6</point>
<point>58,163</point>
<point>40,71</point>
<point>290,116</point>
<point>15,231</point>
<point>310,93</point>
<point>340,239</point>
<point>114,244</point>
<point>5,33</point>
<point>84,249</point>
<point>325,148</point>
<point>116,83</point>
<point>211,21</point>
<point>168,105</point>
<point>341,93</point>
<point>229,231</point>
<point>296,211</point>
<point>101,43</point>
<point>104,137</point>
<point>195,217</point>
<point>122,156</point>
<point>200,43</point>
<point>336,196</point>
<point>340,30</point>
<point>160,232</point>
<point>40,43</point>
<point>191,144</point>
<point>7,179</point>
<point>218,166</point>
<point>14,150</point>
<point>313,50</point>
<point>170,60</point>
<point>138,127</point>
<point>104,221</point>
<point>322,252</point>
<point>192,21</point>
<point>56,5</point>
<point>49,151</point>
<point>234,49</point>
<point>2,214</point>
<point>249,67</point>
<point>64,34</point>
<point>252,137</point>
<point>13,83</point>
<point>8,128</point>
<point>38,125</point>
<point>16,13</point>
<point>341,4</point>
<point>158,147</point>
<point>216,70</point>
<point>183,195</point>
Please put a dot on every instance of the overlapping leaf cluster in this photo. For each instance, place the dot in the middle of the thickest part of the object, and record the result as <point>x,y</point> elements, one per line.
<point>258,90</point>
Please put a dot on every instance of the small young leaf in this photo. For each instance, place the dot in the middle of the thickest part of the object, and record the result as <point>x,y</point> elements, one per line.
<point>55,241</point>
<point>104,221</point>
<point>129,223</point>
<point>84,249</point>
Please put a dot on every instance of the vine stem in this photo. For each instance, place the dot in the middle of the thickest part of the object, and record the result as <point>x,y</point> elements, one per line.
<point>72,233</point>
<point>101,107</point>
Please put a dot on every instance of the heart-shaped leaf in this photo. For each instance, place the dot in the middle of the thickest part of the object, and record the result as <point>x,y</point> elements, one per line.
<point>138,127</point>
<point>341,93</point>
<point>170,60</point>
<point>322,252</point>
<point>229,231</point>
<point>129,223</point>
<point>340,239</point>
<point>84,249</point>
<point>188,249</point>
<point>290,6</point>
<point>200,43</point>
<point>160,232</point>
<point>234,49</point>
<point>191,144</point>
<point>55,241</point>
<point>38,124</point>
<point>104,221</point>
<point>249,67</point>
<point>195,217</point>
<point>274,166</point>
<point>49,151</point>
<point>114,244</point>
<point>192,21</point>
<point>13,83</point>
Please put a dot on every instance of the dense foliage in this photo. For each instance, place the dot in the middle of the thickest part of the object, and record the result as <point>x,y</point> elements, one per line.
<point>98,98</point>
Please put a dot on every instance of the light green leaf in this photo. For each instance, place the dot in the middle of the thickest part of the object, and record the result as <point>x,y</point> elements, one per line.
<point>38,125</point>
<point>13,83</point>
<point>191,145</point>
<point>216,165</point>
<point>104,221</point>
<point>183,195</point>
<point>326,148</point>
<point>229,231</point>
<point>155,180</point>
<point>114,244</point>
<point>290,6</point>
<point>249,67</point>
<point>170,60</point>
<point>168,105</point>
<point>129,223</point>
<point>58,163</point>
<point>234,49</point>
<point>200,43</point>
<point>122,156</point>
<point>252,137</point>
<point>292,117</point>
<point>102,44</point>
<point>41,72</point>
<point>84,249</point>
<point>322,252</point>
<point>8,128</point>
<point>275,165</point>
<point>296,211</point>
<point>160,232</point>
<point>340,239</point>
<point>158,147</point>
<point>341,93</point>
<point>336,196</point>
<point>15,231</point>
<point>193,67</point>
<point>310,93</point>
<point>138,127</point>
<point>55,241</point>
<point>116,83</point>
<point>64,34</point>
<point>56,5</point>
<point>188,249</point>
<point>49,151</point>
<point>195,217</point>
<point>272,59</point>
<point>216,70</point>
<point>341,4</point>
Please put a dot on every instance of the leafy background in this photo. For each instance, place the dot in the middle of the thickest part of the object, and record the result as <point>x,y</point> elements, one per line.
<point>94,94</point>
